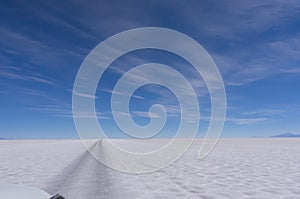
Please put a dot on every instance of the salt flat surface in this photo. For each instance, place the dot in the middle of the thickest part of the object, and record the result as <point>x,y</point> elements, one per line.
<point>237,168</point>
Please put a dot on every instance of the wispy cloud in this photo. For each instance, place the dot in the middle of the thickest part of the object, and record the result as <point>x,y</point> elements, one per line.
<point>265,112</point>
<point>236,19</point>
<point>67,112</point>
<point>291,71</point>
<point>120,93</point>
<point>276,58</point>
<point>99,115</point>
<point>235,28</point>
<point>15,73</point>
<point>246,121</point>
<point>36,52</point>
<point>233,25</point>
<point>145,114</point>
<point>239,120</point>
<point>85,95</point>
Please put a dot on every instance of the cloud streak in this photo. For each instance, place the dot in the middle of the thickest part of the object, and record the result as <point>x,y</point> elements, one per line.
<point>67,112</point>
<point>246,121</point>
<point>15,73</point>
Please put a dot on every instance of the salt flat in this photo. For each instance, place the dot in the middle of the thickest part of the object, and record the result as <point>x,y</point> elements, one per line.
<point>237,168</point>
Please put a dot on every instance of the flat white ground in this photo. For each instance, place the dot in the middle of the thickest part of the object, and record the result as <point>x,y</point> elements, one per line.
<point>237,168</point>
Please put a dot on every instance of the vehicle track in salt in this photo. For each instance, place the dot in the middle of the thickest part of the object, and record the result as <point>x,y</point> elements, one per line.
<point>86,178</point>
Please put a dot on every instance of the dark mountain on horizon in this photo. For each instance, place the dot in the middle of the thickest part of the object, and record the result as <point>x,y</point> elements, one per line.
<point>286,135</point>
<point>2,139</point>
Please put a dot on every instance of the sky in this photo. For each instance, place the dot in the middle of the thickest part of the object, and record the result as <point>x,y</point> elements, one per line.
<point>255,45</point>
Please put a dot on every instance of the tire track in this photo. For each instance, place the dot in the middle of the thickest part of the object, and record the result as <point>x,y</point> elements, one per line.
<point>83,178</point>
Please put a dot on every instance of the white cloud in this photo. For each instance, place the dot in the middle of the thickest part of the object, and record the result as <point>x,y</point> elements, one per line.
<point>241,121</point>
<point>145,114</point>
<point>15,73</point>
<point>120,93</point>
<point>85,95</point>
<point>265,112</point>
<point>60,111</point>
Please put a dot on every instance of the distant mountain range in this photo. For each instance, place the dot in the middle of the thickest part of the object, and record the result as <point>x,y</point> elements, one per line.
<point>286,135</point>
<point>2,139</point>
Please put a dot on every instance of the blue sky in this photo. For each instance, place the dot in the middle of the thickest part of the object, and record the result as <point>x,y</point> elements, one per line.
<point>255,44</point>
